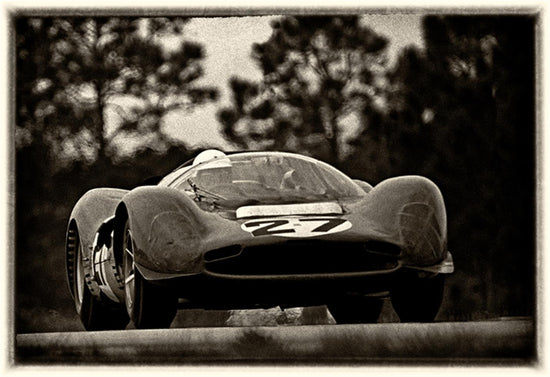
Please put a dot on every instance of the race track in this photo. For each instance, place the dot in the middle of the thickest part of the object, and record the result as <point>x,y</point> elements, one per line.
<point>511,341</point>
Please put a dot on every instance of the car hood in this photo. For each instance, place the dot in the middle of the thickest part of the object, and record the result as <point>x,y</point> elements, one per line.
<point>172,232</point>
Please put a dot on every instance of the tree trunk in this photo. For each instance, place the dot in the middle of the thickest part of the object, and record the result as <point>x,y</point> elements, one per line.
<point>100,126</point>
<point>333,141</point>
<point>330,124</point>
<point>100,84</point>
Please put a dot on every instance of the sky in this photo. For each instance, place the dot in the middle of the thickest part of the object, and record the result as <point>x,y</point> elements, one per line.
<point>227,43</point>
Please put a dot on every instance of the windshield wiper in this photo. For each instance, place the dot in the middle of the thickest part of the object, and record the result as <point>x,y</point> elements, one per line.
<point>201,193</point>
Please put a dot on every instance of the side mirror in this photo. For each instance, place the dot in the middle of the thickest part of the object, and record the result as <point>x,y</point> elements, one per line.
<point>364,185</point>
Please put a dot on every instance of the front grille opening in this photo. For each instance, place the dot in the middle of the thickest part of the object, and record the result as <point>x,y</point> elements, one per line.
<point>300,258</point>
<point>224,252</point>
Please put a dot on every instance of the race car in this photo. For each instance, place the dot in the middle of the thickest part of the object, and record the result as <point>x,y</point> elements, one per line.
<point>257,230</point>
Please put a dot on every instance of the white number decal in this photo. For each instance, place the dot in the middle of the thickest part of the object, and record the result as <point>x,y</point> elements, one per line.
<point>296,227</point>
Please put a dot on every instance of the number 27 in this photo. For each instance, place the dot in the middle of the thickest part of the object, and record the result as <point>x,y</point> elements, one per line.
<point>271,227</point>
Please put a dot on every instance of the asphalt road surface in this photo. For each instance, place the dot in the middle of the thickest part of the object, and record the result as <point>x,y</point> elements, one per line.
<point>505,341</point>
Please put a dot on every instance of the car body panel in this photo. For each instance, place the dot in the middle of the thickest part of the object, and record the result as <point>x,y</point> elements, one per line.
<point>173,231</point>
<point>91,210</point>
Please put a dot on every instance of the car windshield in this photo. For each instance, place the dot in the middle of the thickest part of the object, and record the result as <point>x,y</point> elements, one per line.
<point>264,177</point>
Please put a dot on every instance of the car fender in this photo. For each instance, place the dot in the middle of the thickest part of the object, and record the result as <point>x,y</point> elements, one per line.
<point>92,209</point>
<point>168,229</point>
<point>86,218</point>
<point>411,211</point>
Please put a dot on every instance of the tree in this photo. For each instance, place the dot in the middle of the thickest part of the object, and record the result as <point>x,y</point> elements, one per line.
<point>85,88</point>
<point>317,71</point>
<point>462,113</point>
<point>85,84</point>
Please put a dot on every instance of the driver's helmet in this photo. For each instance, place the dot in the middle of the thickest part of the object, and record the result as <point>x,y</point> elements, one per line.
<point>215,168</point>
<point>208,155</point>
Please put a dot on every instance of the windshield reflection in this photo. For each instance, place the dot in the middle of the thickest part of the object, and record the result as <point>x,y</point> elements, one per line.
<point>266,178</point>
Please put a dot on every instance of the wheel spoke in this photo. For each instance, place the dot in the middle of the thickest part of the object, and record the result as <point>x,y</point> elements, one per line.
<point>129,252</point>
<point>129,272</point>
<point>129,278</point>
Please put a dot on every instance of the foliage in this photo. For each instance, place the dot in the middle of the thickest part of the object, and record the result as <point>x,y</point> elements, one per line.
<point>462,113</point>
<point>86,85</point>
<point>317,71</point>
<point>85,88</point>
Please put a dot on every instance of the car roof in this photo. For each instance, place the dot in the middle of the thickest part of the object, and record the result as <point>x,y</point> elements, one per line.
<point>189,163</point>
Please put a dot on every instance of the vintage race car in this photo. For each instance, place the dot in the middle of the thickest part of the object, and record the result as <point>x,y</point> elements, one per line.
<point>257,230</point>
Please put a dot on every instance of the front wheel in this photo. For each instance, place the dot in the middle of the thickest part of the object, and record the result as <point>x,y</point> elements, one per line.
<point>94,313</point>
<point>417,299</point>
<point>148,305</point>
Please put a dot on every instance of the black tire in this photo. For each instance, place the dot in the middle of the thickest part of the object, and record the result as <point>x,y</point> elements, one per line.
<point>95,313</point>
<point>417,299</point>
<point>350,310</point>
<point>148,305</point>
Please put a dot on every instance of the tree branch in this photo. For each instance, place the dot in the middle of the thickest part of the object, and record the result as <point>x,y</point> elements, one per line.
<point>322,69</point>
